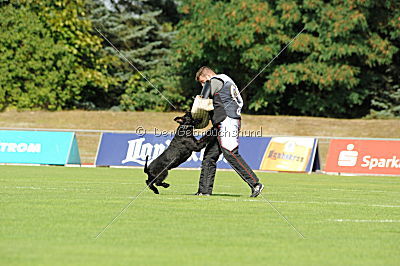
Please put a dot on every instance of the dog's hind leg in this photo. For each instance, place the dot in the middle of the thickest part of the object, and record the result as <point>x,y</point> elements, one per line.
<point>150,184</point>
<point>161,178</point>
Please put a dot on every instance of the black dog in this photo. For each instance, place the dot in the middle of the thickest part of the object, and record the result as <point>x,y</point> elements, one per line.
<point>180,149</point>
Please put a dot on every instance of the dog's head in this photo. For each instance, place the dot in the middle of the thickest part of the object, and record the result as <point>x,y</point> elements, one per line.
<point>187,120</point>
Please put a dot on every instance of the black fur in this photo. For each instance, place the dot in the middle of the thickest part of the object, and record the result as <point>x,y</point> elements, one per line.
<point>180,149</point>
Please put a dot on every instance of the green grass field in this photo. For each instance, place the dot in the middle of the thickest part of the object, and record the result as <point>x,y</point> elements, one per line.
<point>51,216</point>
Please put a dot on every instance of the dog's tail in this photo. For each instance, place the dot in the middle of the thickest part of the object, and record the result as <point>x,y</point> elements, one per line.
<point>145,165</point>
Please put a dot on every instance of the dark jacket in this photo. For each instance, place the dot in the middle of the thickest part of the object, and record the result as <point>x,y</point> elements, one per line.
<point>226,97</point>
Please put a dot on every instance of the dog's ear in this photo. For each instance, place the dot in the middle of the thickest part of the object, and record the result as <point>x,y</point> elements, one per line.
<point>179,119</point>
<point>188,114</point>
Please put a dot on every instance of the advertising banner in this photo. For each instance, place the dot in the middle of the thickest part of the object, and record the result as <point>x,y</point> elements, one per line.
<point>364,156</point>
<point>39,147</point>
<point>118,149</point>
<point>290,154</point>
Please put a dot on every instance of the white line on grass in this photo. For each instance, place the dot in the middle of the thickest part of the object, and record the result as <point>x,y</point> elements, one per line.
<point>226,186</point>
<point>360,190</point>
<point>338,203</point>
<point>134,183</point>
<point>340,189</point>
<point>280,201</point>
<point>48,188</point>
<point>363,221</point>
<point>385,206</point>
<point>215,198</point>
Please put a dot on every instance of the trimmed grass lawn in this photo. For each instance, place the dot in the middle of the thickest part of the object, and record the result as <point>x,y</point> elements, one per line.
<point>51,216</point>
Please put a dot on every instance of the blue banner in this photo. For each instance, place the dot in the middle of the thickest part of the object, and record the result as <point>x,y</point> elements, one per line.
<point>118,149</point>
<point>39,147</point>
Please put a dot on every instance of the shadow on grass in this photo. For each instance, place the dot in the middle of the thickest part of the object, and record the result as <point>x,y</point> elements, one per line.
<point>228,195</point>
<point>217,195</point>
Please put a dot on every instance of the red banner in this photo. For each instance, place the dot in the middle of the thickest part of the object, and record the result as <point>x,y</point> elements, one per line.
<point>364,156</point>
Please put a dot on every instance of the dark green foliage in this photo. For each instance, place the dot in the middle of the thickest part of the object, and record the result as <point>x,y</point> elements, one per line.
<point>386,101</point>
<point>36,72</point>
<point>346,63</point>
<point>135,29</point>
<point>328,71</point>
<point>67,21</point>
<point>73,73</point>
<point>386,97</point>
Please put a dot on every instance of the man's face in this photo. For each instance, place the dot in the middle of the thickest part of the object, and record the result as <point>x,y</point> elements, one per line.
<point>203,78</point>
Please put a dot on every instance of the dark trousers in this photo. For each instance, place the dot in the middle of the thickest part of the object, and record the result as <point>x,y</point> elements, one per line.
<point>209,166</point>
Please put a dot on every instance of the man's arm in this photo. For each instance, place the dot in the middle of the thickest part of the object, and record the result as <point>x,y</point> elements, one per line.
<point>216,85</point>
<point>205,92</point>
<point>211,87</point>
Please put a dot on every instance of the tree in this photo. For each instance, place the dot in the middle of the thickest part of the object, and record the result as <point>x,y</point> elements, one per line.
<point>386,100</point>
<point>36,72</point>
<point>142,34</point>
<point>327,71</point>
<point>66,23</point>
<point>386,97</point>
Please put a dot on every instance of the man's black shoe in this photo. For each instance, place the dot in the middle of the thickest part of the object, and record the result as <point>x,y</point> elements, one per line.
<point>257,190</point>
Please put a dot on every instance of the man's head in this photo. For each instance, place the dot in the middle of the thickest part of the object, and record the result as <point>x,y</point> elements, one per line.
<point>204,74</point>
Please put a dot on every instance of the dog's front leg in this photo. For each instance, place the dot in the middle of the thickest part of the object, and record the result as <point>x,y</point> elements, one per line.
<point>201,143</point>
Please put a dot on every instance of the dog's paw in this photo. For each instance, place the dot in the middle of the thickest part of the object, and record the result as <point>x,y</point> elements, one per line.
<point>154,189</point>
<point>165,185</point>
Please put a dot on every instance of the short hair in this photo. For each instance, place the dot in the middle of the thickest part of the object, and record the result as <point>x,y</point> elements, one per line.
<point>204,70</point>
